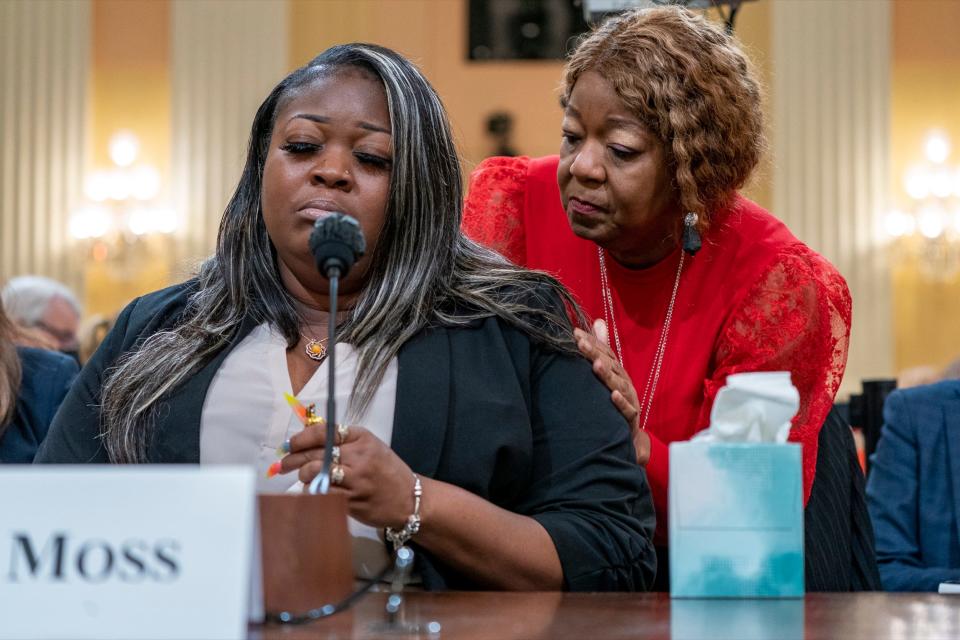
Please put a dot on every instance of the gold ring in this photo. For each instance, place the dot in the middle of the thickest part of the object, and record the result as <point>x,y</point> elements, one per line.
<point>335,454</point>
<point>311,416</point>
<point>336,474</point>
<point>342,432</point>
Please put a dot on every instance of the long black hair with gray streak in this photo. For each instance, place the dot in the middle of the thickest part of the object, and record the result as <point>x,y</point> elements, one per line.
<point>424,271</point>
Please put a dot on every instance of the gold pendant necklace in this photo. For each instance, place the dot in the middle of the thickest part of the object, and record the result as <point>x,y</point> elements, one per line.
<point>315,349</point>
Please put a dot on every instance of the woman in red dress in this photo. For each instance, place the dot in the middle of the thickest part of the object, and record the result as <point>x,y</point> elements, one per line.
<point>640,218</point>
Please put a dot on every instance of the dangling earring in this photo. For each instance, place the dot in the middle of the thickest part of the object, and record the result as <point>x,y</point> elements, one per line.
<point>691,236</point>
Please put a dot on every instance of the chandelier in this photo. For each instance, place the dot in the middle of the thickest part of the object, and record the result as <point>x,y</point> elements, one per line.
<point>927,231</point>
<point>122,211</point>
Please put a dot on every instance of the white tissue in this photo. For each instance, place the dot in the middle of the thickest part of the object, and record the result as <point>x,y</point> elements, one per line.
<point>753,407</point>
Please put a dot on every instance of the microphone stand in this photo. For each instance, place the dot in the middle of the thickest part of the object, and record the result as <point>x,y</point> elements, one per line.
<point>321,483</point>
<point>396,620</point>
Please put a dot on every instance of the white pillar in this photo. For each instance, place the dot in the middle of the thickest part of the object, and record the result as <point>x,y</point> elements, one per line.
<point>227,55</point>
<point>831,140</point>
<point>44,68</point>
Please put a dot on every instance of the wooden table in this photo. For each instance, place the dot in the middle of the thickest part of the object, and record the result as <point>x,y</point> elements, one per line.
<point>558,616</point>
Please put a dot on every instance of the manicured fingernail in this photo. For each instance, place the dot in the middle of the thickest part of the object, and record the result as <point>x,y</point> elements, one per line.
<point>600,330</point>
<point>273,469</point>
<point>284,449</point>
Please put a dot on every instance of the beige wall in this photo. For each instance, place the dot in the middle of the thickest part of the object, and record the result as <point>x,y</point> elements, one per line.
<point>130,90</point>
<point>925,95</point>
<point>753,29</point>
<point>434,34</point>
<point>130,78</point>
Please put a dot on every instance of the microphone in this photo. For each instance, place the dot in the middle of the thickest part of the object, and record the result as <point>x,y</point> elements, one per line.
<point>336,243</point>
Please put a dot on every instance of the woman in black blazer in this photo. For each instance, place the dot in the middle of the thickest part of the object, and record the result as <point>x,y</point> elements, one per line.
<point>527,474</point>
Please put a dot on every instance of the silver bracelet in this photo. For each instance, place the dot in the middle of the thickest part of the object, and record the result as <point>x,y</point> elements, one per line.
<point>412,526</point>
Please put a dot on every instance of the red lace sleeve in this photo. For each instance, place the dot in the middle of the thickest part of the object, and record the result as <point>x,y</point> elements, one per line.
<point>493,209</point>
<point>795,318</point>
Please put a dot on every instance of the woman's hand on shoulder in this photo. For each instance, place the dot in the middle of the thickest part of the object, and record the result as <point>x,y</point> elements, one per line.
<point>622,392</point>
<point>378,484</point>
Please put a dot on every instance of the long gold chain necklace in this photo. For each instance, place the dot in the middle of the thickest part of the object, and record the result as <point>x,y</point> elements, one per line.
<point>646,400</point>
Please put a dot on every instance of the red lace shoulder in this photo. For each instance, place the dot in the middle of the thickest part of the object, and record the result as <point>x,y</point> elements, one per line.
<point>796,318</point>
<point>493,209</point>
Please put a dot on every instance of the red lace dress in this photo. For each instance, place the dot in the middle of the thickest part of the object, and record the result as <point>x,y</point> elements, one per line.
<point>753,299</point>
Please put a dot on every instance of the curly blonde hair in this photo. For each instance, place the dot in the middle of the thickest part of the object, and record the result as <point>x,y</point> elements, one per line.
<point>692,86</point>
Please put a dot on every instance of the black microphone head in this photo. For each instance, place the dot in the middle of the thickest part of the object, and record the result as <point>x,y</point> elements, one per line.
<point>336,242</point>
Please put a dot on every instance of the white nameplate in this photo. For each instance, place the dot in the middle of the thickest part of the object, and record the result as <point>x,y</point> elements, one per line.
<point>147,551</point>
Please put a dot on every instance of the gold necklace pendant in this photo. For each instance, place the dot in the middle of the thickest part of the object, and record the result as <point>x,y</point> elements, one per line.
<point>316,350</point>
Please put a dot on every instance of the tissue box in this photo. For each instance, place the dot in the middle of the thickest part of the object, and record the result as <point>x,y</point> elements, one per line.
<point>736,520</point>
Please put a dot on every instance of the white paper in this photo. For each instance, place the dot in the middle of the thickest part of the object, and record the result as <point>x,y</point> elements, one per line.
<point>146,551</point>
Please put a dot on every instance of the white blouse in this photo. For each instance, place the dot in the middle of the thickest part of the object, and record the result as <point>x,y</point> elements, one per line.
<point>246,419</point>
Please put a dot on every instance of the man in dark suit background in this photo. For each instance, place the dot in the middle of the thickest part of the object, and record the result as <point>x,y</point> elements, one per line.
<point>913,491</point>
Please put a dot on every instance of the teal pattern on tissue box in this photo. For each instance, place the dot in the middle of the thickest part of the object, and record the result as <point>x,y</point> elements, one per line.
<point>736,520</point>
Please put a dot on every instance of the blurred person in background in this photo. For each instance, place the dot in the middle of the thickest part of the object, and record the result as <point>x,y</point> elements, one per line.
<point>33,383</point>
<point>92,333</point>
<point>913,490</point>
<point>928,374</point>
<point>951,371</point>
<point>918,376</point>
<point>46,306</point>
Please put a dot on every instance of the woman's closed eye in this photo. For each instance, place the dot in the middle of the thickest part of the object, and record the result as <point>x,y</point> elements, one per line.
<point>569,138</point>
<point>372,160</point>
<point>621,152</point>
<point>298,148</point>
<point>307,148</point>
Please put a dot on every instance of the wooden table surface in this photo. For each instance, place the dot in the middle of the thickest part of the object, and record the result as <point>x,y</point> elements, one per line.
<point>557,616</point>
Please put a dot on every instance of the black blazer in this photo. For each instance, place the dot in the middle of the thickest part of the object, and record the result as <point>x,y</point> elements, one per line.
<point>481,407</point>
<point>46,376</point>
